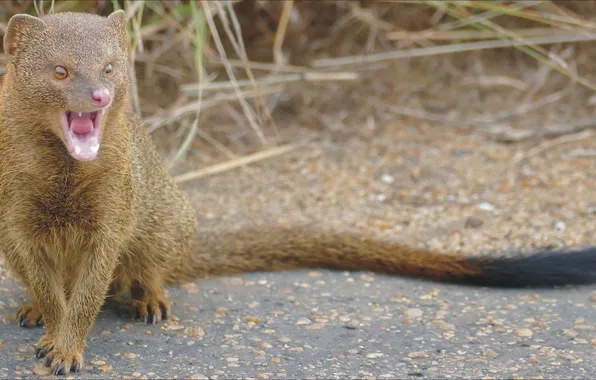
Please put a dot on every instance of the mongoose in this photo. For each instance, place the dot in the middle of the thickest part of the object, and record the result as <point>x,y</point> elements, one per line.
<point>87,206</point>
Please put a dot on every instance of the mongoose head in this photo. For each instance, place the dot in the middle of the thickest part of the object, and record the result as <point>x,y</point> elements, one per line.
<point>73,68</point>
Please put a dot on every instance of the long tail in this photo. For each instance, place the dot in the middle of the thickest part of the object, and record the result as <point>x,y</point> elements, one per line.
<point>279,248</point>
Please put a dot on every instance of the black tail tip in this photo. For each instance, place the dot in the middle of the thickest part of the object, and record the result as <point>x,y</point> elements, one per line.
<point>541,269</point>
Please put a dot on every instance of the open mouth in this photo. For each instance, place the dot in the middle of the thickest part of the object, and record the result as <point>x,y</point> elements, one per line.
<point>81,133</point>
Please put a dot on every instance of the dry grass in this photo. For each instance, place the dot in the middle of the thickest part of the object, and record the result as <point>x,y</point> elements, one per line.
<point>239,63</point>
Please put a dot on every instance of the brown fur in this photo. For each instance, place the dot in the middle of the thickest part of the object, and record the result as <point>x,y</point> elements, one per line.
<point>70,229</point>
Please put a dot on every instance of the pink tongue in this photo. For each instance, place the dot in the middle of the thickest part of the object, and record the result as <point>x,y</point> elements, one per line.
<point>81,126</point>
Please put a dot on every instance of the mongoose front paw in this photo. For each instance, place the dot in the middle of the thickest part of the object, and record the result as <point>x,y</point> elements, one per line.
<point>44,346</point>
<point>62,362</point>
<point>150,310</point>
<point>29,316</point>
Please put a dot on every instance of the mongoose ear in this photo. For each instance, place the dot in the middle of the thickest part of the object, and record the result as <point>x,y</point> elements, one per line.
<point>19,28</point>
<point>117,20</point>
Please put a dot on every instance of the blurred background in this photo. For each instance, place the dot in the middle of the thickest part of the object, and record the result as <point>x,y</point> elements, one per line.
<point>274,73</point>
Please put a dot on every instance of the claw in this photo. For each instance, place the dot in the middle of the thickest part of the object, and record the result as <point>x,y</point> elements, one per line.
<point>154,319</point>
<point>76,367</point>
<point>145,319</point>
<point>59,369</point>
<point>23,321</point>
<point>42,352</point>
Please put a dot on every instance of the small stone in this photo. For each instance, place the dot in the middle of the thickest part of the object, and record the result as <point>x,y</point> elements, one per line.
<point>352,325</point>
<point>194,332</point>
<point>418,355</point>
<point>447,326</point>
<point>276,360</point>
<point>253,319</point>
<point>387,178</point>
<point>136,374</point>
<point>485,206</point>
<point>490,354</point>
<point>129,355</point>
<point>173,327</point>
<point>303,321</point>
<point>105,367</point>
<point>413,313</point>
<point>375,355</point>
<point>41,370</point>
<point>196,376</point>
<point>98,362</point>
<point>524,333</point>
<point>473,222</point>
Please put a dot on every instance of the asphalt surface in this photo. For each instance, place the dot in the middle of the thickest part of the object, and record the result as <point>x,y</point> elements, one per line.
<point>305,324</point>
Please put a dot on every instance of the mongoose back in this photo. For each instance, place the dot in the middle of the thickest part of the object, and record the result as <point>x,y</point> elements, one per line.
<point>86,205</point>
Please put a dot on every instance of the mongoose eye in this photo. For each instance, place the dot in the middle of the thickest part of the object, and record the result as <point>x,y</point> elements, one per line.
<point>60,72</point>
<point>109,69</point>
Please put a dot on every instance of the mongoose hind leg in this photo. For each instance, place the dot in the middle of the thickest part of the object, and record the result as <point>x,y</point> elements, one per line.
<point>29,316</point>
<point>148,301</point>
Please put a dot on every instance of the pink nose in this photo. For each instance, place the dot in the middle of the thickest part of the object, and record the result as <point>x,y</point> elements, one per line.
<point>100,97</point>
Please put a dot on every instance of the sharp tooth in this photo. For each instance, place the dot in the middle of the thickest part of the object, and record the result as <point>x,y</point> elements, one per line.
<point>80,114</point>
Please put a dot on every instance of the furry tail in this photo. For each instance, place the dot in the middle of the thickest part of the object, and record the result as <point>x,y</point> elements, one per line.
<point>279,248</point>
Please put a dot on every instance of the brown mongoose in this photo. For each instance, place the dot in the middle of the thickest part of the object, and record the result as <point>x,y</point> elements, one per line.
<point>86,205</point>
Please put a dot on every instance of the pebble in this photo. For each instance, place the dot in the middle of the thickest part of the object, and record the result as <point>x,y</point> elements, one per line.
<point>524,333</point>
<point>418,355</point>
<point>375,355</point>
<point>447,326</point>
<point>490,354</point>
<point>303,321</point>
<point>105,367</point>
<point>194,332</point>
<point>473,222</point>
<point>485,206</point>
<point>352,325</point>
<point>560,226</point>
<point>413,313</point>
<point>387,179</point>
<point>41,370</point>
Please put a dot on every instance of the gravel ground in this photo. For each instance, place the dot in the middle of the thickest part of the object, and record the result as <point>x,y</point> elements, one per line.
<point>335,325</point>
<point>447,189</point>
